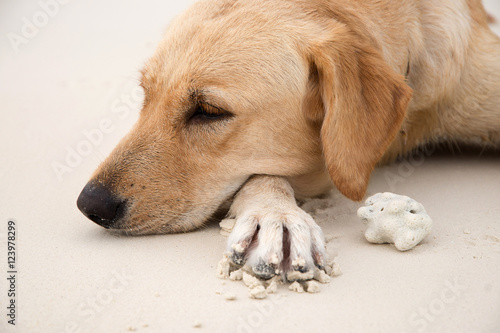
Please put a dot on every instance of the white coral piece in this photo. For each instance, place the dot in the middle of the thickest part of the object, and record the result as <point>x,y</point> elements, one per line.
<point>396,219</point>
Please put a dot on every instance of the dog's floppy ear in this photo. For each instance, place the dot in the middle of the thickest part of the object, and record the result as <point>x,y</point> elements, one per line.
<point>365,103</point>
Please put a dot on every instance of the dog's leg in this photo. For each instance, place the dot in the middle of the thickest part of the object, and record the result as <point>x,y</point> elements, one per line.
<point>272,234</point>
<point>469,112</point>
<point>473,116</point>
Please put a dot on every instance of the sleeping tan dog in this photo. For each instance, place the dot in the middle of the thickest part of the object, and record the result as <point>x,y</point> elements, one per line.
<point>263,101</point>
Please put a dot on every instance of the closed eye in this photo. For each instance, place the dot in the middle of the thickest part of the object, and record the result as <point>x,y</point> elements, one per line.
<point>204,112</point>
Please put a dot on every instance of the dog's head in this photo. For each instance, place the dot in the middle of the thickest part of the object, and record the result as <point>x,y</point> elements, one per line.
<point>239,88</point>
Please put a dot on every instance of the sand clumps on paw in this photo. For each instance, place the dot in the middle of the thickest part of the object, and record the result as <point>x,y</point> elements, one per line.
<point>312,287</point>
<point>259,289</point>
<point>395,219</point>
<point>300,282</point>
<point>332,269</point>
<point>299,276</point>
<point>226,226</point>
<point>236,275</point>
<point>258,292</point>
<point>321,276</point>
<point>310,281</point>
<point>251,281</point>
<point>224,267</point>
<point>272,287</point>
<point>309,286</point>
<point>297,287</point>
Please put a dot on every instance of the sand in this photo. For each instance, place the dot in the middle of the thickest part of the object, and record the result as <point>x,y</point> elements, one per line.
<point>80,70</point>
<point>230,297</point>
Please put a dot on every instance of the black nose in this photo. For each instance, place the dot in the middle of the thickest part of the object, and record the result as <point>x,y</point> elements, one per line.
<point>100,205</point>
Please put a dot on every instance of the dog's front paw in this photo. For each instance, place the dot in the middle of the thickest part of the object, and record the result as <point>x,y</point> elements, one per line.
<point>276,241</point>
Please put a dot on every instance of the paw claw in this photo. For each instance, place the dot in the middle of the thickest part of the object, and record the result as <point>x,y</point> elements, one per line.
<point>299,265</point>
<point>299,269</point>
<point>237,254</point>
<point>319,260</point>
<point>264,270</point>
<point>237,258</point>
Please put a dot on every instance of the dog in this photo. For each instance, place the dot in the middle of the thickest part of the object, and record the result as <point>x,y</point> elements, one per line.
<point>265,101</point>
